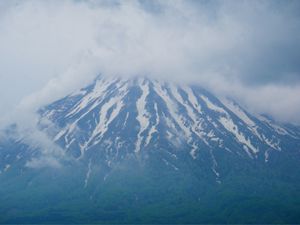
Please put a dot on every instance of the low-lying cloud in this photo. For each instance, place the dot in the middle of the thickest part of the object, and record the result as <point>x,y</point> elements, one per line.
<point>249,50</point>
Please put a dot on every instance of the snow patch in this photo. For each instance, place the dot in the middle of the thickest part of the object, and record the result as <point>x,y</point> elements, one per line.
<point>143,116</point>
<point>7,166</point>
<point>99,91</point>
<point>172,110</point>
<point>212,106</point>
<point>195,121</point>
<point>238,112</point>
<point>88,174</point>
<point>193,151</point>
<point>170,164</point>
<point>153,128</point>
<point>114,103</point>
<point>192,98</point>
<point>232,128</point>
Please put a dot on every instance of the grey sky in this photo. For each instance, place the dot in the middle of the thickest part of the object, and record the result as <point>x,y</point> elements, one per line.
<point>249,50</point>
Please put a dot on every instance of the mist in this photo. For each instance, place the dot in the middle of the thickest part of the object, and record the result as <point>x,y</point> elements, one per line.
<point>248,50</point>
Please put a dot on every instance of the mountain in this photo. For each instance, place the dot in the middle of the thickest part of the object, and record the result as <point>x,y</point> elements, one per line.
<point>141,150</point>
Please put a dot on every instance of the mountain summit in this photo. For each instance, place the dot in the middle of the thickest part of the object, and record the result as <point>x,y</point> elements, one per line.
<point>117,117</point>
<point>161,136</point>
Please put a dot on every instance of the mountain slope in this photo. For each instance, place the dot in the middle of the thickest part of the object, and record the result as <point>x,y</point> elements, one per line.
<point>146,151</point>
<point>136,116</point>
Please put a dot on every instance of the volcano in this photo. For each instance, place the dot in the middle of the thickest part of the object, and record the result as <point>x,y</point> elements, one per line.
<point>142,150</point>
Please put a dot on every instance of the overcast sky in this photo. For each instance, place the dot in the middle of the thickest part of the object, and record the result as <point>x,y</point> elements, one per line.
<point>249,50</point>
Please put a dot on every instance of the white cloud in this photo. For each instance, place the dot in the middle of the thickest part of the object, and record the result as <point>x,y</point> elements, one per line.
<point>247,49</point>
<point>37,163</point>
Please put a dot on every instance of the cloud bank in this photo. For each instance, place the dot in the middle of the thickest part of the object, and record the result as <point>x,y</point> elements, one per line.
<point>249,50</point>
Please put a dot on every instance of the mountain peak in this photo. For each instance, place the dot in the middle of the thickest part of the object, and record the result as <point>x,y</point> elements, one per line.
<point>114,117</point>
<point>150,142</point>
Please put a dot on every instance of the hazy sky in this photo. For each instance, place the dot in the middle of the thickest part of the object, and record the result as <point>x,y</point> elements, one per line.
<point>249,50</point>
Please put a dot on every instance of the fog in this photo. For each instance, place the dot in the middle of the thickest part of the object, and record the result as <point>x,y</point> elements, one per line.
<point>248,50</point>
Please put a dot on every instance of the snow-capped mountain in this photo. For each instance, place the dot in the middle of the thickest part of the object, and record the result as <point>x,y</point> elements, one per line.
<point>115,117</point>
<point>125,146</point>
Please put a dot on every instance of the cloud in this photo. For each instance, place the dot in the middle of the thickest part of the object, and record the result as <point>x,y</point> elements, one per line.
<point>245,49</point>
<point>37,163</point>
<point>45,153</point>
<point>277,100</point>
